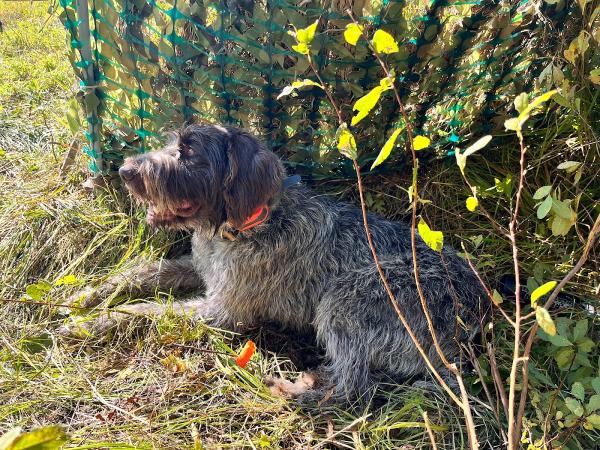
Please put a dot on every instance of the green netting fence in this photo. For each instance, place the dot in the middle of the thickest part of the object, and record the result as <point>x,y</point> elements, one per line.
<point>147,66</point>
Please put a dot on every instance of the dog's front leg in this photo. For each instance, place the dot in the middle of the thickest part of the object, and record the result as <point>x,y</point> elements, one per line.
<point>202,309</point>
<point>143,279</point>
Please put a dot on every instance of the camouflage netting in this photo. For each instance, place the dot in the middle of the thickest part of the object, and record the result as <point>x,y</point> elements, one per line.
<point>152,65</point>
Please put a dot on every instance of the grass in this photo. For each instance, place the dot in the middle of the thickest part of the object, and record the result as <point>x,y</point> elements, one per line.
<point>171,384</point>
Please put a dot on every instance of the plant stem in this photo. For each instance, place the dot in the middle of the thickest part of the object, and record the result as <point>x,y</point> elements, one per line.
<point>512,428</point>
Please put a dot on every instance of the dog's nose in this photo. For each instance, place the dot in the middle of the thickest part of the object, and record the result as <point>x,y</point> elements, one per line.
<point>127,173</point>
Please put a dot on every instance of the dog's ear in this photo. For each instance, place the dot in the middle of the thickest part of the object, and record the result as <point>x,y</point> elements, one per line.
<point>254,177</point>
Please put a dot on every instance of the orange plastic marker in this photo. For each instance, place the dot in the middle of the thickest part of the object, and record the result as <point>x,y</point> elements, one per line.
<point>245,354</point>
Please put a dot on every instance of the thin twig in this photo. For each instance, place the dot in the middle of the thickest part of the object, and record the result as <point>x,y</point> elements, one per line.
<point>486,289</point>
<point>429,431</point>
<point>497,378</point>
<point>512,428</point>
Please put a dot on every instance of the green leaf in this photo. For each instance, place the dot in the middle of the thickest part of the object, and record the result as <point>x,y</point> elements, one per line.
<point>545,321</point>
<point>586,345</point>
<point>472,203</point>
<point>564,357</point>
<point>560,226</point>
<point>562,208</point>
<point>297,85</point>
<point>433,239</point>
<point>383,42</point>
<point>569,166</point>
<point>542,192</point>
<point>538,101</point>
<point>544,208</point>
<point>385,151</point>
<point>496,297</point>
<point>353,33</point>
<point>346,142</point>
<point>73,116</point>
<point>46,438</point>
<point>596,384</point>
<point>38,290</point>
<point>578,391</point>
<point>574,406</point>
<point>594,420</point>
<point>421,142</point>
<point>541,291</point>
<point>478,145</point>
<point>580,330</point>
<point>365,104</point>
<point>593,404</point>
<point>558,340</point>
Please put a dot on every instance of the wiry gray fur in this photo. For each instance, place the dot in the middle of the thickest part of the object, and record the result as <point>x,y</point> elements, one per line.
<point>307,267</point>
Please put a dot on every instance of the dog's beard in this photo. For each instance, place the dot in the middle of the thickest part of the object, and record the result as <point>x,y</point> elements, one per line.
<point>180,218</point>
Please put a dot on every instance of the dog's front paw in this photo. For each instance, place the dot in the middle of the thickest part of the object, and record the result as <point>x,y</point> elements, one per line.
<point>95,327</point>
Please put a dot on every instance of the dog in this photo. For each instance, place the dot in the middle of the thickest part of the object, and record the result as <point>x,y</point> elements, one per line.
<point>267,249</point>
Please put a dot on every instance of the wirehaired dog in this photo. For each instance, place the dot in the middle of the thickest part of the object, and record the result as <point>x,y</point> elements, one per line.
<point>267,249</point>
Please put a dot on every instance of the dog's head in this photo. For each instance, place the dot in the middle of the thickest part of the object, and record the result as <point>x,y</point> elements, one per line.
<point>205,176</point>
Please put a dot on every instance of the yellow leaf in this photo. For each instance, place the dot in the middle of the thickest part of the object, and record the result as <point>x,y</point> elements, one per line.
<point>301,48</point>
<point>387,82</point>
<point>537,102</point>
<point>512,124</point>
<point>387,148</point>
<point>297,85</point>
<point>353,33</point>
<point>421,142</point>
<point>365,104</point>
<point>478,145</point>
<point>346,142</point>
<point>595,76</point>
<point>472,203</point>
<point>545,321</point>
<point>541,291</point>
<point>433,239</point>
<point>384,43</point>
<point>496,297</point>
<point>306,35</point>
<point>461,161</point>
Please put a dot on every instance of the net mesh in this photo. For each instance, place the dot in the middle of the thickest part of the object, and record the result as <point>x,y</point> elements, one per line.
<point>154,65</point>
